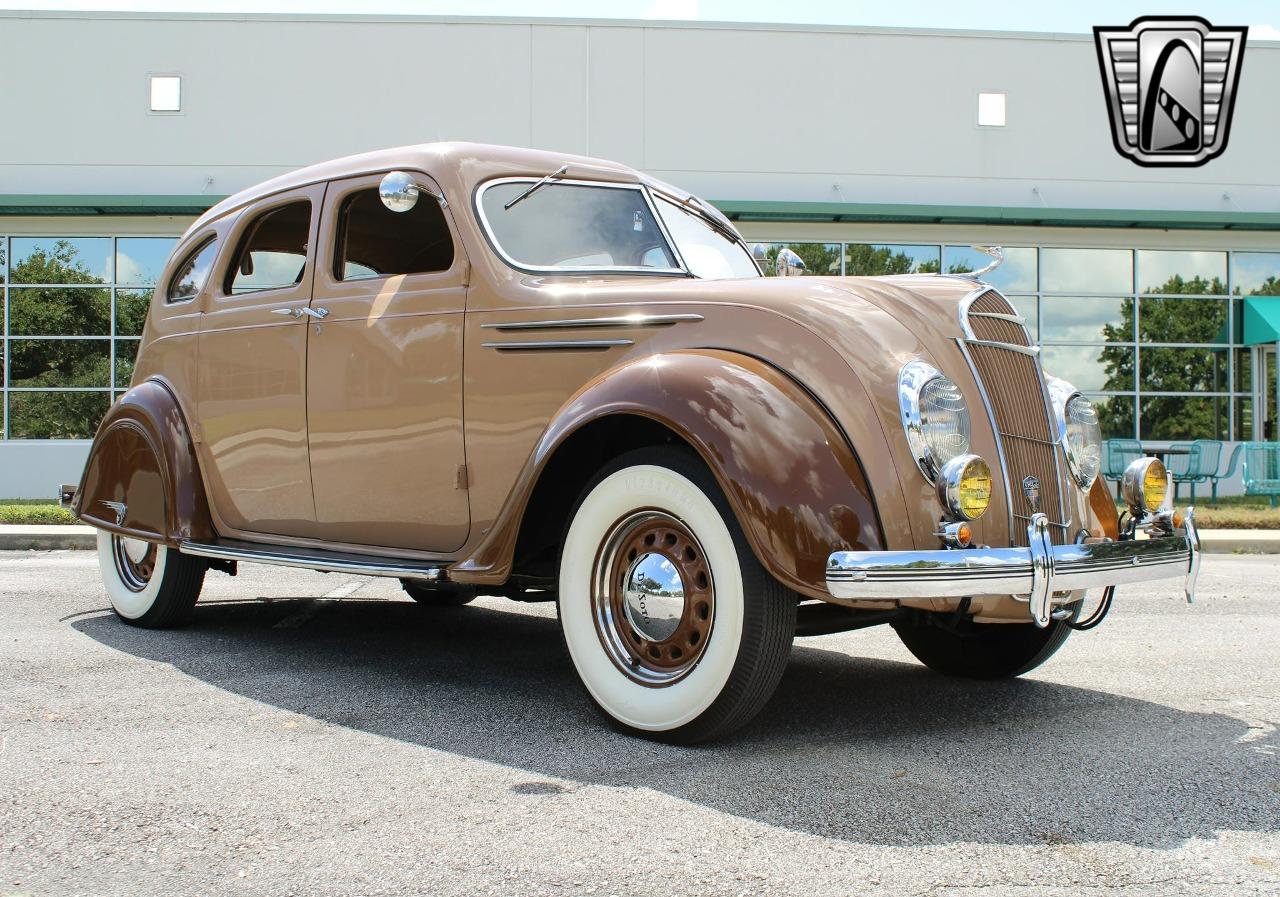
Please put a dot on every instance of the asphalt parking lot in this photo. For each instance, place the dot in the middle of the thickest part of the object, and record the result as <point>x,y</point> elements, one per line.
<point>361,744</point>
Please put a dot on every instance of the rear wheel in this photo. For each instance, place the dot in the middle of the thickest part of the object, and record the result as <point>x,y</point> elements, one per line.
<point>442,595</point>
<point>981,650</point>
<point>675,629</point>
<point>149,585</point>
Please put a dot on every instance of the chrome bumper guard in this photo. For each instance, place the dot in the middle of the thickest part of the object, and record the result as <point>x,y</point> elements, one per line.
<point>1036,574</point>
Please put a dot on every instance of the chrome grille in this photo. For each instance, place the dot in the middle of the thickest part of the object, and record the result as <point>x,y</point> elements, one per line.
<point>1014,393</point>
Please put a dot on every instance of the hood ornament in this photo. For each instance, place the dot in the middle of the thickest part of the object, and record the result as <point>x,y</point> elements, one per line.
<point>1031,489</point>
<point>997,259</point>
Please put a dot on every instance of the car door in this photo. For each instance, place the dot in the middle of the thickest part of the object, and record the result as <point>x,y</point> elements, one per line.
<point>384,373</point>
<point>251,391</point>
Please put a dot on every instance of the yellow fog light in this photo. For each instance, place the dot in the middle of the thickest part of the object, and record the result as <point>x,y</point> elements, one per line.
<point>964,487</point>
<point>1145,485</point>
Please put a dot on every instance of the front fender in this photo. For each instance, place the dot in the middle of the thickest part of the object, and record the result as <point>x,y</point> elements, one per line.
<point>794,483</point>
<point>141,477</point>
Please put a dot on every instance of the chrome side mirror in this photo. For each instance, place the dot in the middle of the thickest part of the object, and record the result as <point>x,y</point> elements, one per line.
<point>788,263</point>
<point>399,192</point>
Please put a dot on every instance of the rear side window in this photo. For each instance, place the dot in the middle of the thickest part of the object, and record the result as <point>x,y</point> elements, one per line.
<point>374,241</point>
<point>273,252</point>
<point>193,273</point>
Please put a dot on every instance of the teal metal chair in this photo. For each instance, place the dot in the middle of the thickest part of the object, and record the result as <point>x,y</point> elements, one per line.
<point>1117,455</point>
<point>1262,469</point>
<point>1210,461</point>
<point>1232,463</point>
<point>1185,465</point>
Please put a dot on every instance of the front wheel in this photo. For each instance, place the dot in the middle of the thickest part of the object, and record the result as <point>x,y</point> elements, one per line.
<point>675,629</point>
<point>981,650</point>
<point>149,585</point>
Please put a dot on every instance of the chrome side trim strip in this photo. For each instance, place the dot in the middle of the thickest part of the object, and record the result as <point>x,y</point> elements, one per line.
<point>637,320</point>
<point>1033,351</point>
<point>282,558</point>
<point>532,346</point>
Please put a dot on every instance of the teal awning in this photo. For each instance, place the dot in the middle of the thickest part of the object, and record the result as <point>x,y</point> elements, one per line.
<point>1261,319</point>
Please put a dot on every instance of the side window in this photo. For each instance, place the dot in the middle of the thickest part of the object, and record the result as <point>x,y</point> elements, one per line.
<point>374,241</point>
<point>273,252</point>
<point>189,280</point>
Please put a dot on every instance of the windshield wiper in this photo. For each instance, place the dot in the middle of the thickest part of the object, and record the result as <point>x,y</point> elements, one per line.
<point>705,213</point>
<point>534,188</point>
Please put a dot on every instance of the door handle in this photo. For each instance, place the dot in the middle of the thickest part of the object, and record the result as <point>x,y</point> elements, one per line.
<point>317,313</point>
<point>289,312</point>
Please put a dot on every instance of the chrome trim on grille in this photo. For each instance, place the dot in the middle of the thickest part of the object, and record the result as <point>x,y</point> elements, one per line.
<point>1033,351</point>
<point>637,320</point>
<point>532,346</point>
<point>1016,319</point>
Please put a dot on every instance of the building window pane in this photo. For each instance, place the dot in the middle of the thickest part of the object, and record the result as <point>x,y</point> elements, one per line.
<point>59,311</point>
<point>1018,271</point>
<point>1086,270</point>
<point>4,256</point>
<point>59,362</point>
<point>1091,368</point>
<point>141,260</point>
<point>1255,273</point>
<point>1029,308</point>
<point>1115,416</point>
<point>166,93</point>
<point>819,258</point>
<point>1184,417</point>
<point>891,258</point>
<point>1243,419</point>
<point>126,354</point>
<point>56,415</point>
<point>1183,320</point>
<point>1244,371</point>
<point>1183,370</point>
<point>131,311</point>
<point>67,260</point>
<point>1084,319</point>
<point>1169,271</point>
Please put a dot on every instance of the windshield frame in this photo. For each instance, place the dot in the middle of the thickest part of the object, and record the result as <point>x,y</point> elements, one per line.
<point>682,270</point>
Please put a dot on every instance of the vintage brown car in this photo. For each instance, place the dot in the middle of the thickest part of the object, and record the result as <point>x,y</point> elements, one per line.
<point>488,370</point>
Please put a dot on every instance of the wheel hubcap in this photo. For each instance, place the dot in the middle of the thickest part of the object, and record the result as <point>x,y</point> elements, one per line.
<point>653,598</point>
<point>135,561</point>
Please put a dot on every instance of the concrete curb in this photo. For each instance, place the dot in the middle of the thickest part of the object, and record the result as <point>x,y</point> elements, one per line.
<point>45,538</point>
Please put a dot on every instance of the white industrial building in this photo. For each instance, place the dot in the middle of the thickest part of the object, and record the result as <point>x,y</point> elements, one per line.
<point>864,149</point>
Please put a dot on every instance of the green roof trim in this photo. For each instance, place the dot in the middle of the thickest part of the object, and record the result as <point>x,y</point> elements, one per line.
<point>105,204</point>
<point>770,210</point>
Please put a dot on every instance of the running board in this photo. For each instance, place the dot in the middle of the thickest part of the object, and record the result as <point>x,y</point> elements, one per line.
<point>312,559</point>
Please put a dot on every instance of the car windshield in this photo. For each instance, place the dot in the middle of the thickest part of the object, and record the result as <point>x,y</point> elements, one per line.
<point>706,251</point>
<point>575,227</point>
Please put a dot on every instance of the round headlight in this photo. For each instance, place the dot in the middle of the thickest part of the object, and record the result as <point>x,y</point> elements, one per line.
<point>1078,427</point>
<point>965,487</point>
<point>934,416</point>
<point>1145,485</point>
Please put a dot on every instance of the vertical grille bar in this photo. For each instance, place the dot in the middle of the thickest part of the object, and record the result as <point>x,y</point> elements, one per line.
<point>1026,433</point>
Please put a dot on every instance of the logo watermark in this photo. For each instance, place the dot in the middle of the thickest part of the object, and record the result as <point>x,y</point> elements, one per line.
<point>1171,86</point>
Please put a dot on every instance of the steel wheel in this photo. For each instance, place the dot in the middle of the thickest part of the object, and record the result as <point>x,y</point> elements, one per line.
<point>135,562</point>
<point>654,599</point>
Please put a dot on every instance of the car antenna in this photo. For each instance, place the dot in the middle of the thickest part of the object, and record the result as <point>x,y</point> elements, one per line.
<point>533,188</point>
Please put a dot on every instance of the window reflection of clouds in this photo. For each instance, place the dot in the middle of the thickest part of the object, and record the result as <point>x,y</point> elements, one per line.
<point>1084,318</point>
<point>1085,367</point>
<point>140,260</point>
<point>1086,270</point>
<point>1017,273</point>
<point>91,255</point>
<point>1250,272</point>
<point>1157,267</point>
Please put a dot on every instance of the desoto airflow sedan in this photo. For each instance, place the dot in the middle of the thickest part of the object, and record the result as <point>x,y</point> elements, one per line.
<point>497,371</point>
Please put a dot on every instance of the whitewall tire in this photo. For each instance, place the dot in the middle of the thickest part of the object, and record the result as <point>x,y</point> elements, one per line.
<point>675,629</point>
<point>148,584</point>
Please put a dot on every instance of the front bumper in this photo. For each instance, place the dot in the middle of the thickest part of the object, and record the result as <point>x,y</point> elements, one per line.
<point>1042,574</point>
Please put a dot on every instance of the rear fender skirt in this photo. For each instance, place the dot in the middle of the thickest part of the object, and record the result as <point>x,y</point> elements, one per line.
<point>141,478</point>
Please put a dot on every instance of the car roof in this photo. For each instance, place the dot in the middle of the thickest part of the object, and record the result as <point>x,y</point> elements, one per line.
<point>469,163</point>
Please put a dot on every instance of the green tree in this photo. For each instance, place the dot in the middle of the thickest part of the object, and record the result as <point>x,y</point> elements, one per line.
<point>64,308</point>
<point>1169,320</point>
